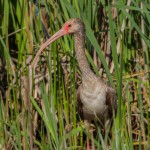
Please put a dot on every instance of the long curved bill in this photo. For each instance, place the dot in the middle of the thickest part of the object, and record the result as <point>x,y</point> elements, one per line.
<point>57,35</point>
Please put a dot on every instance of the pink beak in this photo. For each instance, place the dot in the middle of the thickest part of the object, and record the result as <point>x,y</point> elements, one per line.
<point>57,35</point>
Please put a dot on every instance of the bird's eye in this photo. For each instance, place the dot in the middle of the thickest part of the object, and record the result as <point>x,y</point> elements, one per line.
<point>69,25</point>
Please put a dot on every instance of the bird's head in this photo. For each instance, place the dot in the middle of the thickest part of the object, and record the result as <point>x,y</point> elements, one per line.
<point>72,26</point>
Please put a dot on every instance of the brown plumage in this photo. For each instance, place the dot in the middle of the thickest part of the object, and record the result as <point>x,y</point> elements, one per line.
<point>95,99</point>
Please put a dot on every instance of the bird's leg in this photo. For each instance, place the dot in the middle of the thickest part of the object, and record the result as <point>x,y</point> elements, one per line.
<point>87,144</point>
<point>87,126</point>
<point>90,133</point>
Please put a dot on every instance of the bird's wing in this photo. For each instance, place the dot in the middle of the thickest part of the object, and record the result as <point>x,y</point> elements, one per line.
<point>111,101</point>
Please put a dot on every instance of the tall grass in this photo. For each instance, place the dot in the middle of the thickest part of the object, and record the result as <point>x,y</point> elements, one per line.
<point>39,111</point>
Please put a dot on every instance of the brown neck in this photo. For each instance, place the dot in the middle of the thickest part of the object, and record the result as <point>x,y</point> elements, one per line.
<point>87,73</point>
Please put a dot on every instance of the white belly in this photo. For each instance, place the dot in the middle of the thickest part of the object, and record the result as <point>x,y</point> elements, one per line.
<point>94,101</point>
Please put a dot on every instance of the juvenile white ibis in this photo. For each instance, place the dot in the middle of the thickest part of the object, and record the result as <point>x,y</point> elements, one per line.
<point>95,99</point>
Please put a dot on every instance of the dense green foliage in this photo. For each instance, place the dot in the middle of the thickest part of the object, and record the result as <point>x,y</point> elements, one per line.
<point>38,109</point>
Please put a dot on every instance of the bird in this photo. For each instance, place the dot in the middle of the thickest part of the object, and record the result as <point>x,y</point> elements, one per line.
<point>95,98</point>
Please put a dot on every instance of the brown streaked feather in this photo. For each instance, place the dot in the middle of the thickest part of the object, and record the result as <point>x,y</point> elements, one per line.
<point>111,101</point>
